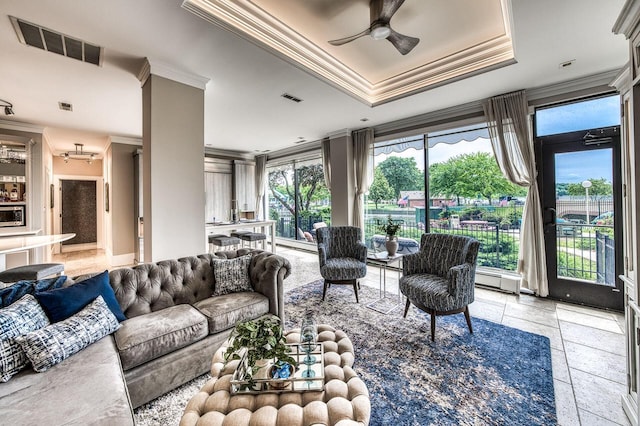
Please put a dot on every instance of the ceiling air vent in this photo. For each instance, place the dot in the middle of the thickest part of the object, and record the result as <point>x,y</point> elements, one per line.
<point>291,98</point>
<point>65,106</point>
<point>53,41</point>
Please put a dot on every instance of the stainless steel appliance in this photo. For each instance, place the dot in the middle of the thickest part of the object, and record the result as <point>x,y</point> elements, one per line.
<point>12,215</point>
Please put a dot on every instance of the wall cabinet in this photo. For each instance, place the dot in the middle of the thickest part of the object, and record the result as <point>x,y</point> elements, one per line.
<point>218,190</point>
<point>244,173</point>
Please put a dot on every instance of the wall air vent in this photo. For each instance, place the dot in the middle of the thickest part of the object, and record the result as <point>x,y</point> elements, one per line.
<point>65,106</point>
<point>291,98</point>
<point>53,41</point>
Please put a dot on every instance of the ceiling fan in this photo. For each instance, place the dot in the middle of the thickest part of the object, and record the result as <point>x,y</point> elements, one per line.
<point>381,12</point>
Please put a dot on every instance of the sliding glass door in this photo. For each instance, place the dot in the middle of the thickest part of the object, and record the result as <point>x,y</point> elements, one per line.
<point>298,198</point>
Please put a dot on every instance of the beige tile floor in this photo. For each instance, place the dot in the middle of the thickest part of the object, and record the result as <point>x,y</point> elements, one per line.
<point>587,345</point>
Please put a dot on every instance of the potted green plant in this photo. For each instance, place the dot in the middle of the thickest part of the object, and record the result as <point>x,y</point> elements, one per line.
<point>265,345</point>
<point>391,228</point>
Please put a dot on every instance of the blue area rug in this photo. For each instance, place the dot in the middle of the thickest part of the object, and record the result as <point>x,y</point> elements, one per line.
<point>496,376</point>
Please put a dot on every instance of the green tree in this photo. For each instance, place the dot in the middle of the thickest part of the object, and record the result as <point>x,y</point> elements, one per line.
<point>471,175</point>
<point>402,174</point>
<point>444,181</point>
<point>380,188</point>
<point>599,188</point>
<point>310,184</point>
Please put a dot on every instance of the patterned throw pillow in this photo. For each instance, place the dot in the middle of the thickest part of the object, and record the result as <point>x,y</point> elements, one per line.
<point>20,318</point>
<point>231,275</point>
<point>53,344</point>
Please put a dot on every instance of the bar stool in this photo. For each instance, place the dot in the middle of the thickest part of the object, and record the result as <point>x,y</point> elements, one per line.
<point>222,240</point>
<point>37,271</point>
<point>254,237</point>
<point>239,232</point>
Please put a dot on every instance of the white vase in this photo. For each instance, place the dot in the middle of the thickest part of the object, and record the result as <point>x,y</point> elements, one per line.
<point>392,245</point>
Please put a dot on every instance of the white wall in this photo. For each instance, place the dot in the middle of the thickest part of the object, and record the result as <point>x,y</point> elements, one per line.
<point>173,145</point>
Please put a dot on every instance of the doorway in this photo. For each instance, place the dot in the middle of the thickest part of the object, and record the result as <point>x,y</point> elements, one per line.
<point>580,193</point>
<point>77,208</point>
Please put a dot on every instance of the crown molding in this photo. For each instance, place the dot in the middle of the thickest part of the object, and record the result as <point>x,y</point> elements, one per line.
<point>593,82</point>
<point>342,133</point>
<point>252,23</point>
<point>21,127</point>
<point>622,80</point>
<point>125,140</point>
<point>227,153</point>
<point>166,71</point>
<point>628,19</point>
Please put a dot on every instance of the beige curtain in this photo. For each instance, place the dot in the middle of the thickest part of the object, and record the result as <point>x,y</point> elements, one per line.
<point>261,176</point>
<point>507,118</point>
<point>326,161</point>
<point>362,140</point>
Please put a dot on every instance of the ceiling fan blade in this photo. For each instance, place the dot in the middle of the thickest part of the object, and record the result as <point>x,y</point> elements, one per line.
<point>345,40</point>
<point>403,43</point>
<point>388,8</point>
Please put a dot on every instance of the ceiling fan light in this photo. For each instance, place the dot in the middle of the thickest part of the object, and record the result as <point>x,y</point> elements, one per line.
<point>381,32</point>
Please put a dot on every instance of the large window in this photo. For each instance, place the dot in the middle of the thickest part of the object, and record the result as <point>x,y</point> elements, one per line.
<point>298,198</point>
<point>468,195</point>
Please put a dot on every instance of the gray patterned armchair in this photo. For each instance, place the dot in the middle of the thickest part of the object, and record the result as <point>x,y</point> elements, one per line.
<point>440,278</point>
<point>342,256</point>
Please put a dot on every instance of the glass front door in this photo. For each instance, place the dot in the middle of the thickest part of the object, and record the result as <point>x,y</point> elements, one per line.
<point>580,196</point>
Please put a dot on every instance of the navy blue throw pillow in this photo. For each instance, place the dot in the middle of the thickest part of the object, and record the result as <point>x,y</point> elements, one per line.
<point>61,303</point>
<point>15,291</point>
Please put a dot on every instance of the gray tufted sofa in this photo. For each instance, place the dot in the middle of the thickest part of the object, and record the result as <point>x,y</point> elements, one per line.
<point>173,328</point>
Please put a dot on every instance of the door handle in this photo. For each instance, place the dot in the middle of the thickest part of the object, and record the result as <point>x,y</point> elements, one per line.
<point>554,216</point>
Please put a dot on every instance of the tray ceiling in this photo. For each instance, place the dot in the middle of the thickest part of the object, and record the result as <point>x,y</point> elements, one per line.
<point>458,39</point>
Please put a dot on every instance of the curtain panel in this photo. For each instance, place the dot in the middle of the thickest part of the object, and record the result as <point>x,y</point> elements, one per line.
<point>508,122</point>
<point>362,151</point>
<point>261,177</point>
<point>325,149</point>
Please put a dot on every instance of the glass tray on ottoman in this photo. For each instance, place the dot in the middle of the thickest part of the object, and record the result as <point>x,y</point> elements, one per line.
<point>296,383</point>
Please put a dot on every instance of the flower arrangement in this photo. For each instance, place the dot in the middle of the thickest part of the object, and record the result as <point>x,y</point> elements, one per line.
<point>392,226</point>
<point>263,339</point>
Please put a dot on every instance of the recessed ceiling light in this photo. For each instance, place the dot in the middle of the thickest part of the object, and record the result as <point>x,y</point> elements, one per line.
<point>566,64</point>
<point>364,119</point>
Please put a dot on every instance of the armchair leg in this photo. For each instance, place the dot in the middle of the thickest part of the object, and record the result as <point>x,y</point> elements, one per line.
<point>324,290</point>
<point>433,325</point>
<point>468,318</point>
<point>406,308</point>
<point>355,289</point>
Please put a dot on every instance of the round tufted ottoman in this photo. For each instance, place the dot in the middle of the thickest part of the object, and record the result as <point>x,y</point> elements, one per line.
<point>344,400</point>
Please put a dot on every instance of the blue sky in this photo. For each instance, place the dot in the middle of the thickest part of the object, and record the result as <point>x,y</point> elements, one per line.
<point>600,112</point>
<point>575,167</point>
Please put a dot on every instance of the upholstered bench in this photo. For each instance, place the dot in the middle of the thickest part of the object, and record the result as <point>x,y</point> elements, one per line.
<point>344,400</point>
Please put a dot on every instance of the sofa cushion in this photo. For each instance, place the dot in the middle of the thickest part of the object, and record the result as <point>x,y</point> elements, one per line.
<point>231,275</point>
<point>20,318</point>
<point>86,389</point>
<point>63,302</point>
<point>224,312</point>
<point>55,343</point>
<point>149,336</point>
<point>15,291</point>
